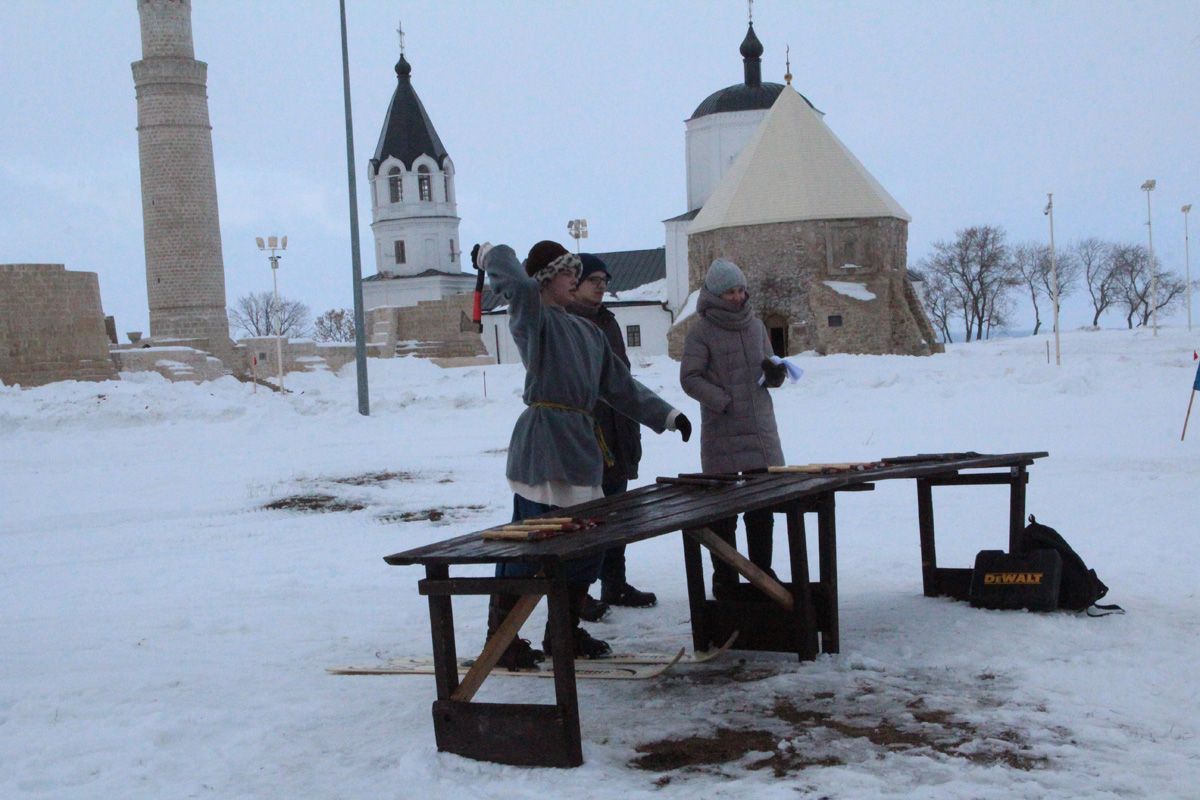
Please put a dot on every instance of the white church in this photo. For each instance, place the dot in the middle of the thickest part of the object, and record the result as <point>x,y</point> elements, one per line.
<point>759,157</point>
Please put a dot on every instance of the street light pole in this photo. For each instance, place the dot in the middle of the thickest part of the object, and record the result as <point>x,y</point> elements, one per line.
<point>273,243</point>
<point>1054,279</point>
<point>578,230</point>
<point>1148,187</point>
<point>1187,262</point>
<point>360,330</point>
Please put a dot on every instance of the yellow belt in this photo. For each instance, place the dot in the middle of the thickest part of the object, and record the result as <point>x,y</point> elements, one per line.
<point>604,451</point>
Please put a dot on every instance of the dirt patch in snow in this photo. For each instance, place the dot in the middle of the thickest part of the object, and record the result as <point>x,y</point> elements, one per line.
<point>795,738</point>
<point>314,503</point>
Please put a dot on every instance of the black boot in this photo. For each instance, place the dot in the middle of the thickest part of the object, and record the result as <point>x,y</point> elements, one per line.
<point>519,654</point>
<point>623,594</point>
<point>583,644</point>
<point>593,610</point>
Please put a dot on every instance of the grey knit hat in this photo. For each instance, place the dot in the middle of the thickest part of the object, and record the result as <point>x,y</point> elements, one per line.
<point>722,276</point>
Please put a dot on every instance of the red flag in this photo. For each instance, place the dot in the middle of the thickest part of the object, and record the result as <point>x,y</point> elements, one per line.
<point>1195,355</point>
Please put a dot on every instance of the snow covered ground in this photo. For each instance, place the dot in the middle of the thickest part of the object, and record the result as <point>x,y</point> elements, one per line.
<point>162,635</point>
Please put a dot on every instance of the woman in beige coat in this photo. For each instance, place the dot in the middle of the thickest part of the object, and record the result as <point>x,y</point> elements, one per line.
<point>725,354</point>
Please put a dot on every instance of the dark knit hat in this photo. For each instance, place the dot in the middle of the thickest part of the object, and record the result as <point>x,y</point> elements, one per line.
<point>548,259</point>
<point>592,264</point>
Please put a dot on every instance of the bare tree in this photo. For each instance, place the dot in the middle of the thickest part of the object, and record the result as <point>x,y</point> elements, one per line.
<point>1028,259</point>
<point>1135,276</point>
<point>1096,260</point>
<point>979,274</point>
<point>257,315</point>
<point>938,300</point>
<point>335,325</point>
<point>1033,265</point>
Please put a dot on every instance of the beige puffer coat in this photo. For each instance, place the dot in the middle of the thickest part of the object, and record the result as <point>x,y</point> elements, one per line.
<point>721,365</point>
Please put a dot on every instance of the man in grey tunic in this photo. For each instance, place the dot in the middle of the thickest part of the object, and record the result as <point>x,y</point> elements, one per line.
<point>555,458</point>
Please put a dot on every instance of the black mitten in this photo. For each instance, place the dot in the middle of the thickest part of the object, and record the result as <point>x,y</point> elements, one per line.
<point>774,373</point>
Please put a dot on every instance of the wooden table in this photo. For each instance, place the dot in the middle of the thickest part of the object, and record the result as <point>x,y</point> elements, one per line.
<point>799,616</point>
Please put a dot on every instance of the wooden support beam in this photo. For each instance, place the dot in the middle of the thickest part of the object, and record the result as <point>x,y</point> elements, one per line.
<point>495,648</point>
<point>768,585</point>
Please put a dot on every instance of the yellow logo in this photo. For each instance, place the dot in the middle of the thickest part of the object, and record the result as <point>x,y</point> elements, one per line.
<point>1012,578</point>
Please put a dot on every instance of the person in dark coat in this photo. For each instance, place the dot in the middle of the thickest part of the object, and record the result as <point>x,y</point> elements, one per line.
<point>554,456</point>
<point>725,353</point>
<point>623,436</point>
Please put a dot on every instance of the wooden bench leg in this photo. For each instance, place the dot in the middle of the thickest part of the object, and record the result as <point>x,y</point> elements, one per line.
<point>562,642</point>
<point>441,626</point>
<point>928,546</point>
<point>803,614</point>
<point>693,565</point>
<point>1016,509</point>
<point>827,555</point>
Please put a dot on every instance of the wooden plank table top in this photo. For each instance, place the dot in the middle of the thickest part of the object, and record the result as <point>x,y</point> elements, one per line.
<point>660,508</point>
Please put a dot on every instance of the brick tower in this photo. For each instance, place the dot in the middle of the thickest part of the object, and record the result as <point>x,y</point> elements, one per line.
<point>185,275</point>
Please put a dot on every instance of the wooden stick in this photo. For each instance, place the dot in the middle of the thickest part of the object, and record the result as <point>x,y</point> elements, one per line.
<point>690,482</point>
<point>495,648</point>
<point>818,468</point>
<point>530,526</point>
<point>770,587</point>
<point>1188,414</point>
<point>545,521</point>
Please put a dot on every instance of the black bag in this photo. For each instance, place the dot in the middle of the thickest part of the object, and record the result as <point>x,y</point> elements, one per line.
<point>1080,587</point>
<point>1019,580</point>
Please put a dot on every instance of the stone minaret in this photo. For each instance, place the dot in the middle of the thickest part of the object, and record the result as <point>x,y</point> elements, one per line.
<point>185,275</point>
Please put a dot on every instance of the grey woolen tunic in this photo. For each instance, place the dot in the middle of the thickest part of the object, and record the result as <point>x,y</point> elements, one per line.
<point>568,362</point>
<point>720,368</point>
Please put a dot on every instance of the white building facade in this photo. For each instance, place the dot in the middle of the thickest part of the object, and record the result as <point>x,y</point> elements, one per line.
<point>418,254</point>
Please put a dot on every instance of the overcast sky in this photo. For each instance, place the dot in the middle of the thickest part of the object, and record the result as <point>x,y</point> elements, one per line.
<point>967,112</point>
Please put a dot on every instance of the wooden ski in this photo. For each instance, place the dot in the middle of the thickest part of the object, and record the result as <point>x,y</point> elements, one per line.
<point>592,669</point>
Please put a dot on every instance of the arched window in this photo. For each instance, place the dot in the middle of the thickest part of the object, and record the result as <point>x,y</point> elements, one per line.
<point>424,183</point>
<point>446,186</point>
<point>395,186</point>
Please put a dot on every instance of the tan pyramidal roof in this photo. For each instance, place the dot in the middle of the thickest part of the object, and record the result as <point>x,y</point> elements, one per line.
<point>794,168</point>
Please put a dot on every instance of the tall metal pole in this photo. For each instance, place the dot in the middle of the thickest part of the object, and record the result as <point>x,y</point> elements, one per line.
<point>1148,187</point>
<point>360,345</point>
<point>278,315</point>
<point>1054,280</point>
<point>1187,262</point>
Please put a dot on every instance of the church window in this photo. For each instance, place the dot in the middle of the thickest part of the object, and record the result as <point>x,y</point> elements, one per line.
<point>399,251</point>
<point>453,252</point>
<point>446,186</point>
<point>835,320</point>
<point>425,183</point>
<point>633,335</point>
<point>395,186</point>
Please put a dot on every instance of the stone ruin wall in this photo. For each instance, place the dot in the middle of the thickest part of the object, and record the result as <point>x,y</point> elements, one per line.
<point>51,326</point>
<point>431,329</point>
<point>786,265</point>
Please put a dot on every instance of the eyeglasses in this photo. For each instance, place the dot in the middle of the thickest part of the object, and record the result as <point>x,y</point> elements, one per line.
<point>596,280</point>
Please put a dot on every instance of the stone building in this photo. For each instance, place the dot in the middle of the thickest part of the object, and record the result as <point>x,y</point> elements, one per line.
<point>185,273</point>
<point>51,326</point>
<point>822,243</point>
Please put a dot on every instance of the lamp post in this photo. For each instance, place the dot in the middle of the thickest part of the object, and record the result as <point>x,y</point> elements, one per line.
<point>1148,187</point>
<point>1053,279</point>
<point>578,230</point>
<point>272,244</point>
<point>1187,262</point>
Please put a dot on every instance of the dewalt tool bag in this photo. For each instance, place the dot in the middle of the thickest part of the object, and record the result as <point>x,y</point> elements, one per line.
<point>1016,580</point>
